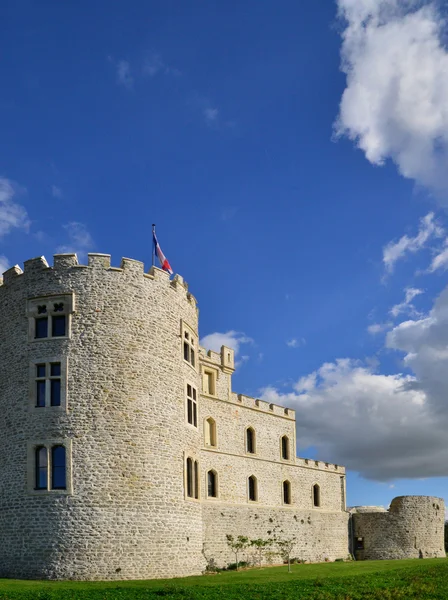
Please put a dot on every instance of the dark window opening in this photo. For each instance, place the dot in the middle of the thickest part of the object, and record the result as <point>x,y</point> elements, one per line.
<point>59,326</point>
<point>58,468</point>
<point>59,307</point>
<point>190,477</point>
<point>55,392</point>
<point>40,393</point>
<point>41,330</point>
<point>285,448</point>
<point>41,458</point>
<point>252,488</point>
<point>316,495</point>
<point>286,492</point>
<point>186,352</point>
<point>41,310</point>
<point>211,484</point>
<point>250,440</point>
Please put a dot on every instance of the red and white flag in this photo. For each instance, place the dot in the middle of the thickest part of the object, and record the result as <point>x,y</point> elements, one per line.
<point>160,255</point>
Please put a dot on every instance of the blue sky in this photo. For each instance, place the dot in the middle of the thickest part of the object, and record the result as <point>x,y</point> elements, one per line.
<point>300,201</point>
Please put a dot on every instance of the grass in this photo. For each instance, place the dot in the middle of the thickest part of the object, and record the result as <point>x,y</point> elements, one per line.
<point>370,580</point>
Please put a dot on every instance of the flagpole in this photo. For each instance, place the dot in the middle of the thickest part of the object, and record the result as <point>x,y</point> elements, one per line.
<point>153,245</point>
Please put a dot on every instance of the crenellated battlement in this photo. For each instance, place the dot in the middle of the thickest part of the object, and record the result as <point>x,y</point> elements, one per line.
<point>263,406</point>
<point>95,261</point>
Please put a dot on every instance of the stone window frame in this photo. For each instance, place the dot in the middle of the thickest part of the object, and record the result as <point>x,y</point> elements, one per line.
<point>31,466</point>
<point>252,428</point>
<point>313,497</point>
<point>288,482</point>
<point>64,384</point>
<point>195,402</point>
<point>196,474</point>
<point>255,479</point>
<point>193,343</point>
<point>207,432</point>
<point>282,437</point>
<point>206,370</point>
<point>215,472</point>
<point>68,299</point>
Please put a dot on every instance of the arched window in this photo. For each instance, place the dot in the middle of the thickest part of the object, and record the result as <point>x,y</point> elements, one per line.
<point>58,468</point>
<point>212,487</point>
<point>41,457</point>
<point>250,440</point>
<point>192,477</point>
<point>210,432</point>
<point>286,492</point>
<point>316,495</point>
<point>285,447</point>
<point>252,488</point>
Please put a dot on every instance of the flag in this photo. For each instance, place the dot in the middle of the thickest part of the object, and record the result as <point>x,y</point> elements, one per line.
<point>160,255</point>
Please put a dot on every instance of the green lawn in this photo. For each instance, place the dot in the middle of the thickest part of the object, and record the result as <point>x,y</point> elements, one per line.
<point>407,579</point>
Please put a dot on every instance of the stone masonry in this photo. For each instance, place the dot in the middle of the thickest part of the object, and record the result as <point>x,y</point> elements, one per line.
<point>127,362</point>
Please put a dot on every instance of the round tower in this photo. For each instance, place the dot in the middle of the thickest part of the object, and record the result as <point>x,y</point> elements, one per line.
<point>98,373</point>
<point>413,527</point>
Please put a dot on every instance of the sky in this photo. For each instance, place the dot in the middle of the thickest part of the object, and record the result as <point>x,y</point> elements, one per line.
<point>294,158</point>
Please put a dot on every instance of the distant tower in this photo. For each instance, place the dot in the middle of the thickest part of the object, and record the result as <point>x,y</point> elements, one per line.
<point>93,434</point>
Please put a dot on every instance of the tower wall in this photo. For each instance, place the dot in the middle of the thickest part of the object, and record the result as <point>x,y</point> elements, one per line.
<point>125,515</point>
<point>413,527</point>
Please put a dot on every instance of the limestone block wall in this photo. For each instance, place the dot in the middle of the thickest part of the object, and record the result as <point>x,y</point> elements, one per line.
<point>413,527</point>
<point>319,535</point>
<point>125,515</point>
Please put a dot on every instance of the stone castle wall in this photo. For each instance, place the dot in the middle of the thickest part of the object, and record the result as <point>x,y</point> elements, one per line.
<point>125,513</point>
<point>413,527</point>
<point>126,516</point>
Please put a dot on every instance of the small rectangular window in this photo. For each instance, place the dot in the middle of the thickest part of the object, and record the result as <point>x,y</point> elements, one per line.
<point>209,382</point>
<point>192,406</point>
<point>41,328</point>
<point>47,385</point>
<point>59,329</point>
<point>189,343</point>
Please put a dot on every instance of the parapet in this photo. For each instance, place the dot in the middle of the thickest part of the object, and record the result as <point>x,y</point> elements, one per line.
<point>225,359</point>
<point>96,261</point>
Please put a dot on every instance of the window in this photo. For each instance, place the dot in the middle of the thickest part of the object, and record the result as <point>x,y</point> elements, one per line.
<point>252,488</point>
<point>58,480</point>
<point>41,468</point>
<point>50,317</point>
<point>250,440</point>
<point>58,476</point>
<point>192,477</point>
<point>210,432</point>
<point>316,496</point>
<point>192,405</point>
<point>285,447</point>
<point>48,384</point>
<point>209,382</point>
<point>189,345</point>
<point>212,488</point>
<point>286,492</point>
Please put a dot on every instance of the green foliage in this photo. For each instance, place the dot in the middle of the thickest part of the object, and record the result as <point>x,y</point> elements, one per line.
<point>237,545</point>
<point>368,580</point>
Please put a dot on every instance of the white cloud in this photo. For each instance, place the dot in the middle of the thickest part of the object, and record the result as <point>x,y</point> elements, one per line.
<point>153,65</point>
<point>383,426</point>
<point>394,251</point>
<point>296,343</point>
<point>211,115</point>
<point>406,306</point>
<point>440,260</point>
<point>12,214</point>
<point>56,192</point>
<point>376,328</point>
<point>80,240</point>
<point>395,105</point>
<point>124,76</point>
<point>232,339</point>
<point>4,264</point>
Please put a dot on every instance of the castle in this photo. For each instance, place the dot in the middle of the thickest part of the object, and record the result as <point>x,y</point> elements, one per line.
<point>125,454</point>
